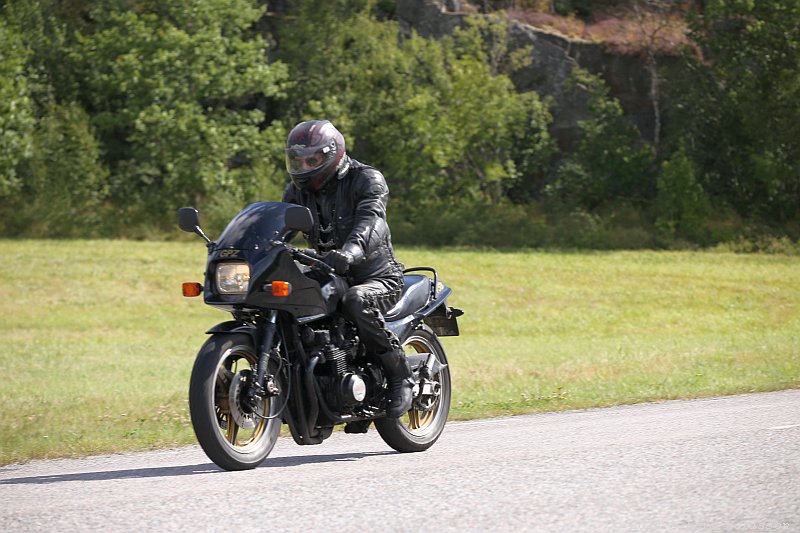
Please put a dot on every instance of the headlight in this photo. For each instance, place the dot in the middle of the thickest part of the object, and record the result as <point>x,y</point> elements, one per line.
<point>233,278</point>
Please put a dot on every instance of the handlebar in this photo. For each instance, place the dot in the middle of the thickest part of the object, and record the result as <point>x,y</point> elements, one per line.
<point>314,261</point>
<point>306,257</point>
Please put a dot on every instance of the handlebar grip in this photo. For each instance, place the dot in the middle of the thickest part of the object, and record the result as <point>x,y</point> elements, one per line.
<point>313,261</point>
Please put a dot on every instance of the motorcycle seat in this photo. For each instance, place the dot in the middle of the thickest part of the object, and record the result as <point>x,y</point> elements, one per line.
<point>415,295</point>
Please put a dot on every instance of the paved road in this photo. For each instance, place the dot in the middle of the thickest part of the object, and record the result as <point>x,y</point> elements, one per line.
<point>723,464</point>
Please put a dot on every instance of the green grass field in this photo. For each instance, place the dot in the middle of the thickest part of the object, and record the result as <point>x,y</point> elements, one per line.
<point>98,343</point>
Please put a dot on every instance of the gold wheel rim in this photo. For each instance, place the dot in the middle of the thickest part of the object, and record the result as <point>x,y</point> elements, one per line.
<point>237,437</point>
<point>417,419</point>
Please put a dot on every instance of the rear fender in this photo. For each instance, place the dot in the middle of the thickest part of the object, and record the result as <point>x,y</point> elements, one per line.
<point>437,315</point>
<point>442,320</point>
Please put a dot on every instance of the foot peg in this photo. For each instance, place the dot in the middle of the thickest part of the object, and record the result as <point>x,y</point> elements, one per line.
<point>360,426</point>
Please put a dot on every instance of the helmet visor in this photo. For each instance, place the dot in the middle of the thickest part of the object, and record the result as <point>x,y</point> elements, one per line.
<point>300,159</point>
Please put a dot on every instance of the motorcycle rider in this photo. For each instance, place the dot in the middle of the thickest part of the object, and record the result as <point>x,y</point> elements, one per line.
<point>348,202</point>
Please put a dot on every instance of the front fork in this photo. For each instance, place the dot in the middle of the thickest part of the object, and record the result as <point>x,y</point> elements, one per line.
<point>264,384</point>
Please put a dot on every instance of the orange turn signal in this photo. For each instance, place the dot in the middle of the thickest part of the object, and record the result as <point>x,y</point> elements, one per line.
<point>281,288</point>
<point>192,288</point>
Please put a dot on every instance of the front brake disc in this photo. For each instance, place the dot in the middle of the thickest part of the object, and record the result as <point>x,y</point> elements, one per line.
<point>240,410</point>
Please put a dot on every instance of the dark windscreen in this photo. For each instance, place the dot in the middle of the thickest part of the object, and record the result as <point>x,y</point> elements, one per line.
<point>255,226</point>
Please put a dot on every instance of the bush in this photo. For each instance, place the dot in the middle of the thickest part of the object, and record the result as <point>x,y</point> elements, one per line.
<point>17,119</point>
<point>682,204</point>
<point>65,183</point>
<point>167,88</point>
<point>436,117</point>
<point>762,244</point>
<point>609,164</point>
<point>468,223</point>
<point>507,225</point>
<point>741,113</point>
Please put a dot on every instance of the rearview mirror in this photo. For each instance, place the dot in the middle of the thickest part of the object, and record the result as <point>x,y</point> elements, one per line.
<point>188,219</point>
<point>298,218</point>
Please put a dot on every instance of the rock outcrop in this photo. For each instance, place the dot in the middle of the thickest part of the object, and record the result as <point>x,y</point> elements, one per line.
<point>554,58</point>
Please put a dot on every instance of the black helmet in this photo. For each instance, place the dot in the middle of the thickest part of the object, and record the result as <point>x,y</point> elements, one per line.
<point>314,153</point>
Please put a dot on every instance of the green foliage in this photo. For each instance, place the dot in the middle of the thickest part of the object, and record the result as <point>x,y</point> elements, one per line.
<point>64,183</point>
<point>502,225</point>
<point>115,112</point>
<point>52,180</point>
<point>682,203</point>
<point>763,244</point>
<point>44,30</point>
<point>742,119</point>
<point>161,84</point>
<point>177,106</point>
<point>17,119</point>
<point>608,165</point>
<point>507,225</point>
<point>434,116</point>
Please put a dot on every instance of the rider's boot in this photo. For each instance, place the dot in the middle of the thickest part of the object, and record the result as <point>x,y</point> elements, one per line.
<point>400,381</point>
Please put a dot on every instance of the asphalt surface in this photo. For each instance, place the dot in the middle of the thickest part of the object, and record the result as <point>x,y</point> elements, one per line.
<point>723,464</point>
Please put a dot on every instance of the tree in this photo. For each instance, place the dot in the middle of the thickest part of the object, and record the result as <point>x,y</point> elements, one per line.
<point>682,204</point>
<point>432,115</point>
<point>17,120</point>
<point>609,164</point>
<point>171,91</point>
<point>167,103</point>
<point>52,181</point>
<point>742,122</point>
<point>65,183</point>
<point>653,17</point>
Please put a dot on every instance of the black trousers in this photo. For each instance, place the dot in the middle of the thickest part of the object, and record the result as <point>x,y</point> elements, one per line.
<point>365,304</point>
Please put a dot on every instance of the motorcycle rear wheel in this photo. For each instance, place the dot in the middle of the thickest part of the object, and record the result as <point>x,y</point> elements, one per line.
<point>231,436</point>
<point>418,429</point>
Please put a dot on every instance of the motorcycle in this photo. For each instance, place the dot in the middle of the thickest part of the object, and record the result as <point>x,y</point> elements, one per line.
<point>289,355</point>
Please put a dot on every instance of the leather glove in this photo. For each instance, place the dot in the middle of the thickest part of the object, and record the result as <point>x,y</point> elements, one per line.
<point>339,260</point>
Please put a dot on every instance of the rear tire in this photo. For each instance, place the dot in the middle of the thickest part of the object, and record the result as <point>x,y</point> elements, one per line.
<point>418,429</point>
<point>230,436</point>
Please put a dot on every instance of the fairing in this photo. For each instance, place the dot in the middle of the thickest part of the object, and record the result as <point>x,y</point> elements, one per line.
<point>256,235</point>
<point>255,226</point>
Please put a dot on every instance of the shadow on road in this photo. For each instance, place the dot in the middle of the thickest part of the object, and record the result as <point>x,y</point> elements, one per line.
<point>164,471</point>
<point>186,470</point>
<point>312,459</point>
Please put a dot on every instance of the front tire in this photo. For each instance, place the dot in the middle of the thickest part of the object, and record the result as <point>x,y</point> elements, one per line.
<point>232,436</point>
<point>418,429</point>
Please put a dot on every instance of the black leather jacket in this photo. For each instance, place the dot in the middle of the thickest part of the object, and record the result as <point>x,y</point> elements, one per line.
<point>350,214</point>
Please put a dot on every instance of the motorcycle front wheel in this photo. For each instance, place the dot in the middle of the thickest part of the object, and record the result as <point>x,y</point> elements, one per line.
<point>418,429</point>
<point>235,435</point>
